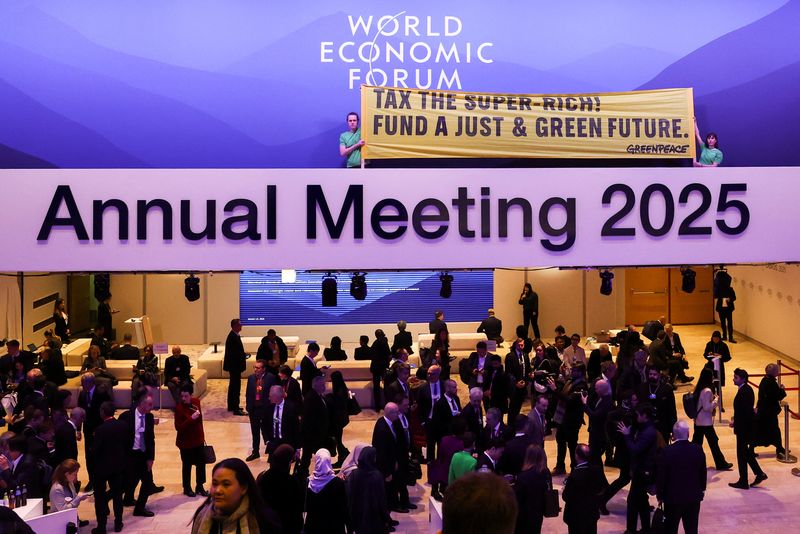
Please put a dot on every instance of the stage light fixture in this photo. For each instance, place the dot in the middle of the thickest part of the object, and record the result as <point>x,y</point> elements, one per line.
<point>329,291</point>
<point>688,280</point>
<point>447,285</point>
<point>191,288</point>
<point>358,286</point>
<point>606,277</point>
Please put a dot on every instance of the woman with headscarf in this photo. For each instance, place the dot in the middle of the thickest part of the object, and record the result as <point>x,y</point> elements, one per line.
<point>235,505</point>
<point>282,491</point>
<point>326,500</point>
<point>366,494</point>
<point>351,462</point>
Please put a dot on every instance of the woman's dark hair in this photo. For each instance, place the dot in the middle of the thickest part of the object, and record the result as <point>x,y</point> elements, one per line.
<point>458,425</point>
<point>527,286</point>
<point>67,466</point>
<point>705,380</point>
<point>187,388</point>
<point>716,333</point>
<point>336,343</point>
<point>59,301</point>
<point>522,331</point>
<point>337,382</point>
<point>245,479</point>
<point>715,136</point>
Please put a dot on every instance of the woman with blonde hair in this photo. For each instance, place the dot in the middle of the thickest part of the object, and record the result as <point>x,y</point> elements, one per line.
<point>63,495</point>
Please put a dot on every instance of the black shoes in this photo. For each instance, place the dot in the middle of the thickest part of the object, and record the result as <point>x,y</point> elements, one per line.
<point>83,522</point>
<point>118,525</point>
<point>239,411</point>
<point>739,485</point>
<point>200,491</point>
<point>156,489</point>
<point>252,457</point>
<point>144,512</point>
<point>189,493</point>
<point>410,506</point>
<point>559,471</point>
<point>686,379</point>
<point>725,467</point>
<point>759,479</point>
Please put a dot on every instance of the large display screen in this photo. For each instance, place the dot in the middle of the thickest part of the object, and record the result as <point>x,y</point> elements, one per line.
<point>266,299</point>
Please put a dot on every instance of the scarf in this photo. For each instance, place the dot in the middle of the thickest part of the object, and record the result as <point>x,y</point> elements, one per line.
<point>351,462</point>
<point>323,472</point>
<point>240,519</point>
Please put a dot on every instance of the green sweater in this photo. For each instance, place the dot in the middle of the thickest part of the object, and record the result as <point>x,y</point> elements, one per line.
<point>461,464</point>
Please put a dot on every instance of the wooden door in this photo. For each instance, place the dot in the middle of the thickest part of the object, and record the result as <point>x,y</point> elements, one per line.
<point>79,303</point>
<point>646,294</point>
<point>696,307</point>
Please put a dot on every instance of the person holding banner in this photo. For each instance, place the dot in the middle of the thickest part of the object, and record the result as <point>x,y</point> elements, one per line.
<point>350,142</point>
<point>710,155</point>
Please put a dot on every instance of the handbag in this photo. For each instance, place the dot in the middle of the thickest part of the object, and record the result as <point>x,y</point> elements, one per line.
<point>353,407</point>
<point>209,456</point>
<point>658,522</point>
<point>552,506</point>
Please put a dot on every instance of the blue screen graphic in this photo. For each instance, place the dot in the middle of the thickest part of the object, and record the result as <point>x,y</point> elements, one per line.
<point>410,295</point>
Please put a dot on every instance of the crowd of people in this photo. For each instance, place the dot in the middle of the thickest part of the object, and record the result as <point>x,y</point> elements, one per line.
<point>628,402</point>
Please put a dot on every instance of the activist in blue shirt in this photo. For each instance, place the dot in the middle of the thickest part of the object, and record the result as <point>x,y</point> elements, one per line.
<point>350,142</point>
<point>710,155</point>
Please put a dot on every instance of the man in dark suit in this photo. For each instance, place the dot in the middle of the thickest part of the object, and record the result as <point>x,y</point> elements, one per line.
<point>99,340</point>
<point>660,394</point>
<point>111,438</point>
<point>633,376</point>
<point>488,459</point>
<point>8,360</point>
<point>387,446</point>
<point>315,424</point>
<point>582,493</point>
<point>281,422</point>
<point>492,327</point>
<point>598,409</point>
<point>90,399</point>
<point>21,468</point>
<point>402,339</point>
<point>681,480</point>
<point>66,437</point>
<point>514,452</point>
<point>126,351</point>
<point>234,363</point>
<point>400,386</point>
<point>537,427</point>
<point>497,386</point>
<point>473,415</point>
<point>177,372</point>
<point>495,428</point>
<point>437,323</point>
<point>308,368</point>
<point>743,423</point>
<point>479,366</point>
<point>402,429</point>
<point>427,396</point>
<point>140,452</point>
<point>291,387</point>
<point>273,351</point>
<point>518,367</point>
<point>444,410</point>
<point>256,401</point>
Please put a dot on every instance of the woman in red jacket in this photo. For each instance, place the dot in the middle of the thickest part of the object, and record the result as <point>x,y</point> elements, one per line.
<point>190,441</point>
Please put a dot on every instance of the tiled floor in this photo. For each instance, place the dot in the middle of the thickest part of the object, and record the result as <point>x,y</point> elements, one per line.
<point>765,509</point>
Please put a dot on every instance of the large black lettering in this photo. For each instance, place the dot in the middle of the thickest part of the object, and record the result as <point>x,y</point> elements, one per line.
<point>504,205</point>
<point>462,204</point>
<point>51,220</point>
<point>99,208</point>
<point>419,218</point>
<point>567,231</point>
<point>315,198</point>
<point>250,219</point>
<point>143,207</point>
<point>209,232</point>
<point>377,218</point>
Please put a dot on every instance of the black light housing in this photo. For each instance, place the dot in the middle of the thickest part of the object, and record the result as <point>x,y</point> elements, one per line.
<point>329,291</point>
<point>358,286</point>
<point>688,280</point>
<point>191,288</point>
<point>447,285</point>
<point>606,277</point>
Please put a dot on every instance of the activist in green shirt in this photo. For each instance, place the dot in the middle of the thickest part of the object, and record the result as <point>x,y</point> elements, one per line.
<point>350,142</point>
<point>710,155</point>
<point>462,462</point>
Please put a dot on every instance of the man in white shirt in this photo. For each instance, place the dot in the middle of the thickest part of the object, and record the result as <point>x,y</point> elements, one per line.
<point>574,353</point>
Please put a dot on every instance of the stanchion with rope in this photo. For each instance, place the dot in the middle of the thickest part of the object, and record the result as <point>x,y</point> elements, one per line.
<point>786,457</point>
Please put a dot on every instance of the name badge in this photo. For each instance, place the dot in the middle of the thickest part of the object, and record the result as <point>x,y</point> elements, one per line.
<point>652,395</point>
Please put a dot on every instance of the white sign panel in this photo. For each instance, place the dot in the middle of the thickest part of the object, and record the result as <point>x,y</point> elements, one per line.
<point>339,219</point>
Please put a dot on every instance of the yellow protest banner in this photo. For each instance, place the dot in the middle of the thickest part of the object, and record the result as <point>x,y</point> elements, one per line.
<point>414,123</point>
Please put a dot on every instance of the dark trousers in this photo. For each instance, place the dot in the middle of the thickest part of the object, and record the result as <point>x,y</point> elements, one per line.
<point>515,404</point>
<point>710,434</point>
<point>529,318</point>
<point>192,458</point>
<point>623,459</point>
<point>88,436</point>
<point>638,504</point>
<point>341,451</point>
<point>175,389</point>
<point>566,437</point>
<point>377,392</point>
<point>745,457</point>
<point>256,415</point>
<point>582,528</point>
<point>234,391</point>
<point>430,442</point>
<point>116,483</point>
<point>726,324</point>
<point>400,484</point>
<point>392,490</point>
<point>309,449</point>
<point>138,472</point>
<point>689,514</point>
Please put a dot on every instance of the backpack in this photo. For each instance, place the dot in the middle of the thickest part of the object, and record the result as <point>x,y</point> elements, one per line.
<point>690,405</point>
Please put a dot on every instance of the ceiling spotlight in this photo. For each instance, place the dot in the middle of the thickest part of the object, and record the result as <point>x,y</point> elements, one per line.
<point>329,290</point>
<point>358,286</point>
<point>688,279</point>
<point>447,285</point>
<point>191,288</point>
<point>606,277</point>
